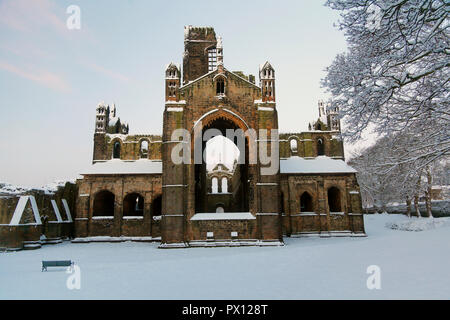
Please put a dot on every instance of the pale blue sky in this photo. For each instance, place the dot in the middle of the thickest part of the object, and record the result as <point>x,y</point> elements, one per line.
<point>52,78</point>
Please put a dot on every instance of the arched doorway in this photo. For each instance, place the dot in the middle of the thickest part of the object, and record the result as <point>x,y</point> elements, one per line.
<point>116,150</point>
<point>320,147</point>
<point>104,204</point>
<point>133,205</point>
<point>334,200</point>
<point>306,203</point>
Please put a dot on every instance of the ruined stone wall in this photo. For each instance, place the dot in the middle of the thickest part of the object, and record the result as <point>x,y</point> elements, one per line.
<point>130,146</point>
<point>307,144</point>
<point>321,219</point>
<point>148,186</point>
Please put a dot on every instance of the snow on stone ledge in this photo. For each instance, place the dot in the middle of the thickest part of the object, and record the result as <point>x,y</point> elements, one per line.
<point>321,164</point>
<point>117,166</point>
<point>223,216</point>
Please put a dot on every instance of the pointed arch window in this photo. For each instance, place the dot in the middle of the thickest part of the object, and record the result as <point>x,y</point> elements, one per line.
<point>224,185</point>
<point>144,149</point>
<point>215,185</point>
<point>320,147</point>
<point>220,86</point>
<point>116,150</point>
<point>306,203</point>
<point>294,146</point>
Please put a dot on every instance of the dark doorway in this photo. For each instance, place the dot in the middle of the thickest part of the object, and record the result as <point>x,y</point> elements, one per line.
<point>157,206</point>
<point>334,200</point>
<point>104,204</point>
<point>116,151</point>
<point>306,203</point>
<point>320,147</point>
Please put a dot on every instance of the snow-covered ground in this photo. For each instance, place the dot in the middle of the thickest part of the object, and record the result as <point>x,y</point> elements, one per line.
<point>414,265</point>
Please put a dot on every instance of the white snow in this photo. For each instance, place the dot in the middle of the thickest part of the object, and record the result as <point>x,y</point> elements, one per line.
<point>117,166</point>
<point>321,164</point>
<point>223,216</point>
<point>418,224</point>
<point>414,265</point>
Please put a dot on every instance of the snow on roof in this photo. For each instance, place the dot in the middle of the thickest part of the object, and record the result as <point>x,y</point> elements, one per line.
<point>321,164</point>
<point>117,166</point>
<point>223,216</point>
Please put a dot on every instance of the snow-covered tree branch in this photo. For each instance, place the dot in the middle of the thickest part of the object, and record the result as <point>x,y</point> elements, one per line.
<point>395,74</point>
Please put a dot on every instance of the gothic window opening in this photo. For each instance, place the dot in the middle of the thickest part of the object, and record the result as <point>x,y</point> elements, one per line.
<point>214,185</point>
<point>220,86</point>
<point>334,200</point>
<point>157,206</point>
<point>294,146</point>
<point>172,89</point>
<point>212,59</point>
<point>224,185</point>
<point>144,149</point>
<point>320,147</point>
<point>306,203</point>
<point>116,151</point>
<point>104,204</point>
<point>133,205</point>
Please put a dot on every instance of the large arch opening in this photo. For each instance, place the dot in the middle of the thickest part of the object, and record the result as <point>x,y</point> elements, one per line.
<point>133,205</point>
<point>222,150</point>
<point>334,200</point>
<point>306,203</point>
<point>104,204</point>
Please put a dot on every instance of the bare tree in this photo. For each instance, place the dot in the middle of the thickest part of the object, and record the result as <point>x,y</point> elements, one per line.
<point>395,75</point>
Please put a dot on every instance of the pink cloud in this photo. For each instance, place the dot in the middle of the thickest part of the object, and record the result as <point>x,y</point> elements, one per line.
<point>106,72</point>
<point>25,15</point>
<point>42,77</point>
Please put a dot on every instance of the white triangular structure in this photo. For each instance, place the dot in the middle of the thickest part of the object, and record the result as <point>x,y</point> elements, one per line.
<point>57,213</point>
<point>66,208</point>
<point>20,208</point>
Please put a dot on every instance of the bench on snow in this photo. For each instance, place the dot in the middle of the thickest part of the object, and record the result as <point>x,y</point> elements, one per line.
<point>57,263</point>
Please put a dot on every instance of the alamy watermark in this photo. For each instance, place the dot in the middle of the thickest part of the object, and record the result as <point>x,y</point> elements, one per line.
<point>263,146</point>
<point>74,280</point>
<point>73,22</point>
<point>374,280</point>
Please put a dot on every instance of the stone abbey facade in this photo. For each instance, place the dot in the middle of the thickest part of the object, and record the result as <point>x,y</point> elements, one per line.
<point>135,189</point>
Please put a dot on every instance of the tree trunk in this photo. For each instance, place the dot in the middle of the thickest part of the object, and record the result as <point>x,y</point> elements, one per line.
<point>428,193</point>
<point>408,206</point>
<point>416,196</point>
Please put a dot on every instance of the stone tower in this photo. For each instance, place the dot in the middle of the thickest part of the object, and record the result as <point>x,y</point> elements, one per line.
<point>200,52</point>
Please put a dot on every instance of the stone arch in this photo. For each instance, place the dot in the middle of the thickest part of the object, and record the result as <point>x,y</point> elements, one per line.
<point>334,199</point>
<point>220,208</point>
<point>144,148</point>
<point>320,143</point>
<point>222,120</point>
<point>293,145</point>
<point>306,202</point>
<point>133,205</point>
<point>116,148</point>
<point>104,203</point>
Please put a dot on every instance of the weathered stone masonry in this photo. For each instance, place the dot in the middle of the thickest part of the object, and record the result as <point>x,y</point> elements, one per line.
<point>134,189</point>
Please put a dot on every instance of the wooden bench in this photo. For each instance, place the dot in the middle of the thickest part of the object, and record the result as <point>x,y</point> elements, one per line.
<point>60,263</point>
